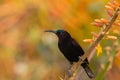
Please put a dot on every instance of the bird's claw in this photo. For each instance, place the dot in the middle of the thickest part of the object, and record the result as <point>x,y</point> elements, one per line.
<point>69,73</point>
<point>80,59</point>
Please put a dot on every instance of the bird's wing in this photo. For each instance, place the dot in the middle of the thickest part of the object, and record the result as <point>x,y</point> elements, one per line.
<point>77,47</point>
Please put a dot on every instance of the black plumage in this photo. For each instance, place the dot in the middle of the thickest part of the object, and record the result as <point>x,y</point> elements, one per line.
<point>71,49</point>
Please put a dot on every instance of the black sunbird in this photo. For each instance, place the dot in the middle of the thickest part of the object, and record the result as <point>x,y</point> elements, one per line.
<point>71,49</point>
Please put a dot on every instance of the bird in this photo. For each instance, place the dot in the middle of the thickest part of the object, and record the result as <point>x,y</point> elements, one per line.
<point>71,49</point>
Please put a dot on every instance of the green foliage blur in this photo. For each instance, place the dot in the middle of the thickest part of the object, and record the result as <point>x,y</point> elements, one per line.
<point>28,53</point>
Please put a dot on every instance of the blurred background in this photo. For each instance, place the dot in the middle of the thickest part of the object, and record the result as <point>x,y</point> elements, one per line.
<point>28,53</point>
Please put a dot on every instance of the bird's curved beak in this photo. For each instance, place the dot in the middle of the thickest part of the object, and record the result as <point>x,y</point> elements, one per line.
<point>51,31</point>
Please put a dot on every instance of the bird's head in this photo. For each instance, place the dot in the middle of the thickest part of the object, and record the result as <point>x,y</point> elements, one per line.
<point>62,34</point>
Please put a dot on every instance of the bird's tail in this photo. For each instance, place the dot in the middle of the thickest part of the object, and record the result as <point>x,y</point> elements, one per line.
<point>87,70</point>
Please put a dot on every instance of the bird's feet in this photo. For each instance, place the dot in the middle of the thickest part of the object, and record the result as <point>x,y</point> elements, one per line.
<point>84,61</point>
<point>69,73</point>
<point>80,59</point>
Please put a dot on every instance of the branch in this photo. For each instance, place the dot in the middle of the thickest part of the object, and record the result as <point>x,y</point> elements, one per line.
<point>75,66</point>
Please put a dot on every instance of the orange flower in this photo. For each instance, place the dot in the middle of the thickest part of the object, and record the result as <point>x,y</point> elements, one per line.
<point>117,4</point>
<point>104,20</point>
<point>110,13</point>
<point>109,7</point>
<point>94,34</point>
<point>97,24</point>
<point>98,21</point>
<point>88,40</point>
<point>112,37</point>
<point>111,4</point>
<point>117,23</point>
